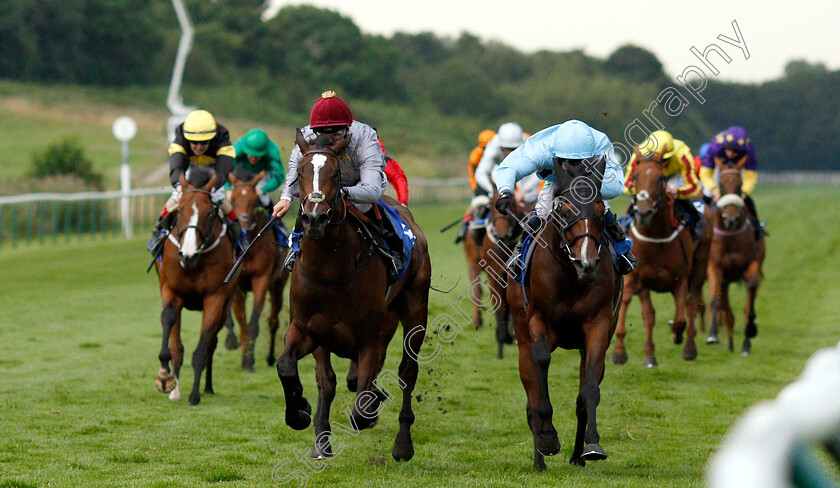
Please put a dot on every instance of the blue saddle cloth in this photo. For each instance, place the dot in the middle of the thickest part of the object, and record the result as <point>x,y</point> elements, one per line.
<point>400,226</point>
<point>403,230</point>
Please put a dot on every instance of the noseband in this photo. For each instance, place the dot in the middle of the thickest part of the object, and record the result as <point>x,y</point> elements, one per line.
<point>589,215</point>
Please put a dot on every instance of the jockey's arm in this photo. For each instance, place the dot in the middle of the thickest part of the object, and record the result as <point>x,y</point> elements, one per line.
<point>690,188</point>
<point>178,164</point>
<point>707,177</point>
<point>613,182</point>
<point>749,182</point>
<point>275,176</point>
<point>223,167</point>
<point>628,179</point>
<point>484,170</point>
<point>396,177</point>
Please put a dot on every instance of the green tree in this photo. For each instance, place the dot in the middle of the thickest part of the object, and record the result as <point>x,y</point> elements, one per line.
<point>635,64</point>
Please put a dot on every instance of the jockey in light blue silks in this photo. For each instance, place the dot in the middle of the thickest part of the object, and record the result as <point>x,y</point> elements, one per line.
<point>572,140</point>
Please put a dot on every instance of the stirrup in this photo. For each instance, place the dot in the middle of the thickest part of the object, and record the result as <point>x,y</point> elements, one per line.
<point>289,262</point>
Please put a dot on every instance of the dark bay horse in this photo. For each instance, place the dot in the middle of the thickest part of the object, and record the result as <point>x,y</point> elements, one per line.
<point>501,232</point>
<point>665,253</point>
<point>735,255</point>
<point>573,293</point>
<point>341,303</point>
<point>196,258</point>
<point>261,272</point>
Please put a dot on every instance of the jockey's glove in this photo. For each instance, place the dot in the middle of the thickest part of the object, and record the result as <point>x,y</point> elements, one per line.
<point>505,202</point>
<point>218,195</point>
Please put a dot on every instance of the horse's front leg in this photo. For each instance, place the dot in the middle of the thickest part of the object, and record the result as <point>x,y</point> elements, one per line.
<point>502,316</point>
<point>649,317</point>
<point>325,377</point>
<point>619,354</point>
<point>680,295</point>
<point>298,344</point>
<point>475,272</point>
<point>231,341</point>
<point>546,442</point>
<point>213,319</point>
<point>171,348</point>
<point>276,296</point>
<point>592,358</point>
<point>752,277</point>
<point>728,317</point>
<point>259,289</point>
<point>715,276</point>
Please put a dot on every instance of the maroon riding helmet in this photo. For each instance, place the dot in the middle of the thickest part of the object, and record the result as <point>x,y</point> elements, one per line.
<point>330,111</point>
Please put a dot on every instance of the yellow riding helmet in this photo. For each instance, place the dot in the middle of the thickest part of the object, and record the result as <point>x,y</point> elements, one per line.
<point>200,126</point>
<point>485,136</point>
<point>658,142</point>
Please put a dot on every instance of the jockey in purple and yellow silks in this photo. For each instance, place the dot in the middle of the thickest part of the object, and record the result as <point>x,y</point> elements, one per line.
<point>679,170</point>
<point>732,144</point>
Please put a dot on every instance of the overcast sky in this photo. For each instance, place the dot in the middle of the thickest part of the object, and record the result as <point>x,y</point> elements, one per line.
<point>774,32</point>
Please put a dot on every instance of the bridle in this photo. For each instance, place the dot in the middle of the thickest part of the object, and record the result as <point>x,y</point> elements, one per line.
<point>318,197</point>
<point>644,195</point>
<point>205,246</point>
<point>246,218</point>
<point>586,212</point>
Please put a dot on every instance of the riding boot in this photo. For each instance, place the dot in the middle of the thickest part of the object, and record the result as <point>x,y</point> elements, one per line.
<point>155,243</point>
<point>626,260</point>
<point>238,236</point>
<point>297,232</point>
<point>757,224</point>
<point>462,232</point>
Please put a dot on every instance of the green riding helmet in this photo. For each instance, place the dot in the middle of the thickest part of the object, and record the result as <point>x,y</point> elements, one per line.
<point>255,143</point>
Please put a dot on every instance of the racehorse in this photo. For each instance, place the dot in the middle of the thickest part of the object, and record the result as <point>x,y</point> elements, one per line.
<point>499,239</point>
<point>261,272</point>
<point>572,303</point>
<point>736,254</point>
<point>341,303</point>
<point>196,257</point>
<point>665,251</point>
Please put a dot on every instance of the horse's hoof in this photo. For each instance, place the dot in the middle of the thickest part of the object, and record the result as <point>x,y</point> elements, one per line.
<point>677,328</point>
<point>690,354</point>
<point>165,381</point>
<point>712,339</point>
<point>402,452</point>
<point>195,398</point>
<point>352,385</point>
<point>577,461</point>
<point>270,360</point>
<point>539,465</point>
<point>248,368</point>
<point>209,391</point>
<point>231,342</point>
<point>618,358</point>
<point>650,362</point>
<point>299,419</point>
<point>321,451</point>
<point>593,452</point>
<point>745,353</point>
<point>548,446</point>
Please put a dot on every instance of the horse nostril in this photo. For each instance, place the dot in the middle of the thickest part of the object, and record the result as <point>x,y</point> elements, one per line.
<point>305,219</point>
<point>322,219</point>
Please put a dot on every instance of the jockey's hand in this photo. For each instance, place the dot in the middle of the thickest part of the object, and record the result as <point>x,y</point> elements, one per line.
<point>715,194</point>
<point>259,192</point>
<point>229,194</point>
<point>505,202</point>
<point>674,192</point>
<point>282,207</point>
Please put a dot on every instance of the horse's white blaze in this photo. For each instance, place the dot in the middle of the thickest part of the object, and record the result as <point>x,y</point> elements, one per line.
<point>190,244</point>
<point>584,254</point>
<point>175,394</point>
<point>242,191</point>
<point>318,162</point>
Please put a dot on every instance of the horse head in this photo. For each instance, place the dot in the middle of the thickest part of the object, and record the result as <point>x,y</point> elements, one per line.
<point>196,223</point>
<point>319,171</point>
<point>731,203</point>
<point>504,228</point>
<point>579,215</point>
<point>244,198</point>
<point>649,185</point>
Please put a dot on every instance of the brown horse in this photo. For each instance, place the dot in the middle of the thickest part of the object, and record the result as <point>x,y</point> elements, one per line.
<point>341,303</point>
<point>261,272</point>
<point>735,255</point>
<point>573,301</point>
<point>499,239</point>
<point>196,258</point>
<point>665,252</point>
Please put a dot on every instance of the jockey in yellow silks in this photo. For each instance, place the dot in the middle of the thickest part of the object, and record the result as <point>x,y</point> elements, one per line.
<point>680,171</point>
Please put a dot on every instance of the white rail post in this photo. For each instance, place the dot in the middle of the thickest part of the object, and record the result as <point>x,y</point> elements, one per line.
<point>124,130</point>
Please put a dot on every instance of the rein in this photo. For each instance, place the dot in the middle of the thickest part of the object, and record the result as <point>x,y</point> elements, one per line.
<point>729,233</point>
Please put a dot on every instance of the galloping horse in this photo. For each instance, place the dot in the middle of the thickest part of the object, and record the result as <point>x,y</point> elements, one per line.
<point>261,272</point>
<point>195,261</point>
<point>341,303</point>
<point>735,255</point>
<point>499,239</point>
<point>573,291</point>
<point>665,251</point>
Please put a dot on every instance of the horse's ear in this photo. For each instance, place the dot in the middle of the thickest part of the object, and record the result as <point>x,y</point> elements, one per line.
<point>182,179</point>
<point>234,180</point>
<point>342,143</point>
<point>301,141</point>
<point>742,162</point>
<point>637,152</point>
<point>210,183</point>
<point>596,172</point>
<point>560,173</point>
<point>718,161</point>
<point>257,178</point>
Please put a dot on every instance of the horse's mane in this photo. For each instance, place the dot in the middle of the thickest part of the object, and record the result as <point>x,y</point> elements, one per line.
<point>198,175</point>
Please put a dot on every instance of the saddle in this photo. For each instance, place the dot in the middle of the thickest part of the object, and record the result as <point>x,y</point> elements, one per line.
<point>389,234</point>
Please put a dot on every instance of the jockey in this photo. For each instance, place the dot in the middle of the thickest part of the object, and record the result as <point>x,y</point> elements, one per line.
<point>395,175</point>
<point>480,201</point>
<point>255,153</point>
<point>572,140</point>
<point>510,137</point>
<point>733,144</point>
<point>681,173</point>
<point>200,141</point>
<point>363,179</point>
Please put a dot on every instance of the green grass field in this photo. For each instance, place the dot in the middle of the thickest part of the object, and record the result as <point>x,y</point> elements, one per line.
<point>81,333</point>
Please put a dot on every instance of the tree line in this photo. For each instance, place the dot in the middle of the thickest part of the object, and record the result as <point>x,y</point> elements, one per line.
<point>419,85</point>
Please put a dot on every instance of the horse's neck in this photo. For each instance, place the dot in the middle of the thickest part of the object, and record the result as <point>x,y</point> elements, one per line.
<point>336,250</point>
